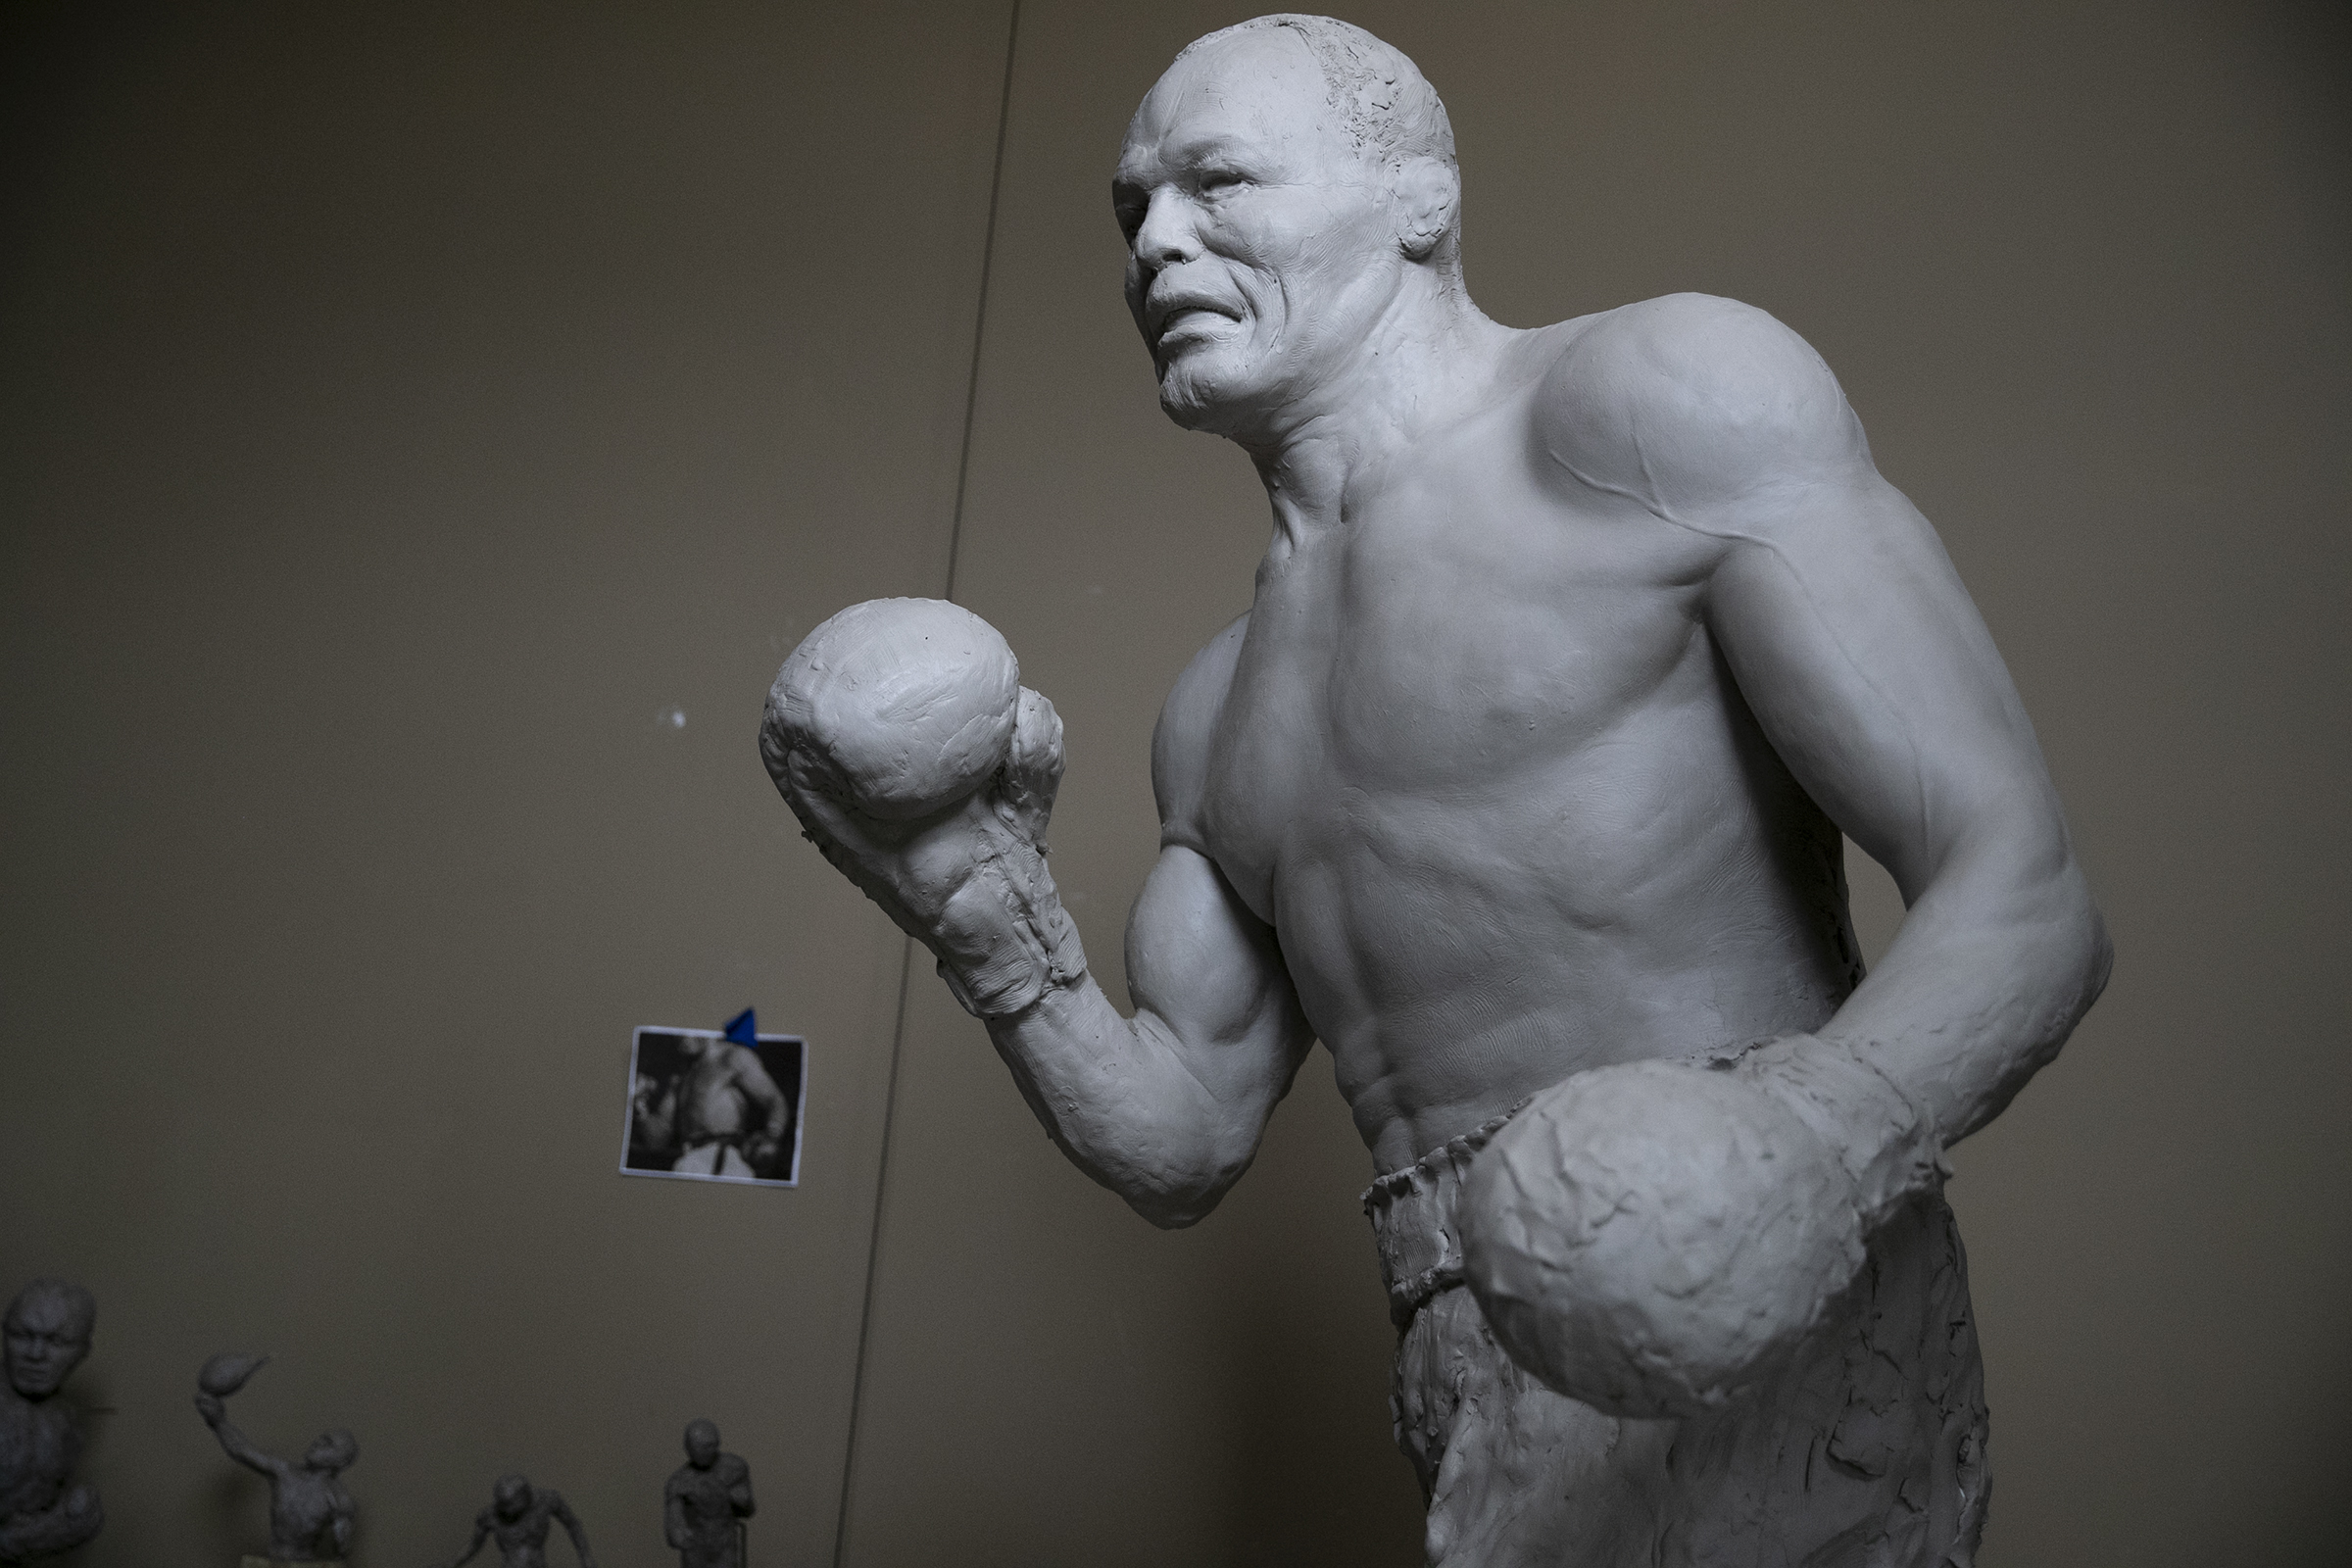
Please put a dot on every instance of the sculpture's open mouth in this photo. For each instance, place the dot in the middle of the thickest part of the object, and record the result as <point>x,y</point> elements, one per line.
<point>1179,318</point>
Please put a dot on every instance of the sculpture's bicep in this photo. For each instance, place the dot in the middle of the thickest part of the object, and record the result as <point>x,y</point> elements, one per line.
<point>1182,740</point>
<point>1209,971</point>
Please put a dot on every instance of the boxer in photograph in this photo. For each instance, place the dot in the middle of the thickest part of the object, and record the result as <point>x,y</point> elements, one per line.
<point>730,1118</point>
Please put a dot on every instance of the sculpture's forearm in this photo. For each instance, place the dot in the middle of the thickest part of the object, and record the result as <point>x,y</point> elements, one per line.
<point>1166,1108</point>
<point>59,1528</point>
<point>1989,974</point>
<point>1116,1095</point>
<point>239,1447</point>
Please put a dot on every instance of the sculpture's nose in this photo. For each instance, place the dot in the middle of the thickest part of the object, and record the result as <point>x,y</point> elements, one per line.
<point>1167,234</point>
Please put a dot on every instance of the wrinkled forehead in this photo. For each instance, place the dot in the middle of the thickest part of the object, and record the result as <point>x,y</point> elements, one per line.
<point>1261,89</point>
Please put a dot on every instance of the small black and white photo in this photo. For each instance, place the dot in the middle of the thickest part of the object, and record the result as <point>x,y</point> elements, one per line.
<point>715,1106</point>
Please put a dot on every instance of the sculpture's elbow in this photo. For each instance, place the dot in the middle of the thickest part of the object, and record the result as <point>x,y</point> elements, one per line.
<point>1170,1217</point>
<point>2028,895</point>
<point>1176,1195</point>
<point>2101,960</point>
<point>1180,1206</point>
<point>2058,961</point>
<point>2083,950</point>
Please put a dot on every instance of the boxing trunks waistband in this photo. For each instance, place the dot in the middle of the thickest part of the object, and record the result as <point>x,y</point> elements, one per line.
<point>1412,1215</point>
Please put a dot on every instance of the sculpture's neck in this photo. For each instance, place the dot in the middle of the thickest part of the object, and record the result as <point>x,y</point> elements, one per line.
<point>1427,363</point>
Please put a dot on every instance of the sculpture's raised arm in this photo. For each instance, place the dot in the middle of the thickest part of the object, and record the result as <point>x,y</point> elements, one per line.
<point>1166,1108</point>
<point>235,1443</point>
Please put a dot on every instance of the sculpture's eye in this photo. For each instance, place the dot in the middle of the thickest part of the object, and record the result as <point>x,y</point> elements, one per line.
<point>1130,207</point>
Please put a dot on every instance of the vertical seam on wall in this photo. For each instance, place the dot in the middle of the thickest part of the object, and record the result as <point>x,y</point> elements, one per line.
<point>988,257</point>
<point>898,1032</point>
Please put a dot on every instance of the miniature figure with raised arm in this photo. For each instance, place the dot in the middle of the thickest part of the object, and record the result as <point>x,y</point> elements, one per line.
<point>310,1514</point>
<point>43,1510</point>
<point>518,1519</point>
<point>1520,786</point>
<point>707,1501</point>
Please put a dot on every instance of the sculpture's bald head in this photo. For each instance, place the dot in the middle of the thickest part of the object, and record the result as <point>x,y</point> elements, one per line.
<point>332,1452</point>
<point>1277,187</point>
<point>1378,98</point>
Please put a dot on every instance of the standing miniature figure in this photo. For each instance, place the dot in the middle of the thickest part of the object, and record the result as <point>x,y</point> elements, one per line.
<point>310,1513</point>
<point>519,1517</point>
<point>47,1334</point>
<point>706,1501</point>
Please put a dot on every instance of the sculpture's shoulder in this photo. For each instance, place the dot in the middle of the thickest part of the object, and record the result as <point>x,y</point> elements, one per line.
<point>1689,402</point>
<point>1188,723</point>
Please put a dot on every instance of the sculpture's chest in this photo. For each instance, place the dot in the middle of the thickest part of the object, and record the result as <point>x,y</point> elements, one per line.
<point>37,1449</point>
<point>1462,636</point>
<point>527,1535</point>
<point>702,1493</point>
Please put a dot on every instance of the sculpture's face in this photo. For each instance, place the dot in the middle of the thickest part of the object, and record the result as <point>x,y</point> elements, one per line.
<point>701,1445</point>
<point>330,1452</point>
<point>512,1496</point>
<point>1261,247</point>
<point>45,1341</point>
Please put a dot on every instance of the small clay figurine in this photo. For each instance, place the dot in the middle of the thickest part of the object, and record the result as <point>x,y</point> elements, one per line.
<point>518,1518</point>
<point>309,1513</point>
<point>706,1501</point>
<point>47,1334</point>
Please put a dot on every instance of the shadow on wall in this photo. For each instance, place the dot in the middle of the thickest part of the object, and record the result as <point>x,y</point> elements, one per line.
<point>1308,1386</point>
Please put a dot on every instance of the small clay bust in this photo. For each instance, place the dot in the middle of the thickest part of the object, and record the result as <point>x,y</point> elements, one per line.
<point>310,1515</point>
<point>47,1334</point>
<point>706,1501</point>
<point>518,1519</point>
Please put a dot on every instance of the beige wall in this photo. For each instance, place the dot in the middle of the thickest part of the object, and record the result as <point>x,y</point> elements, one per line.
<point>404,414</point>
<point>401,415</point>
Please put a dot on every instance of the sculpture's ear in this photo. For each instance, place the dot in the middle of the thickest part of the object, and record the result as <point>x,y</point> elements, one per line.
<point>1429,194</point>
